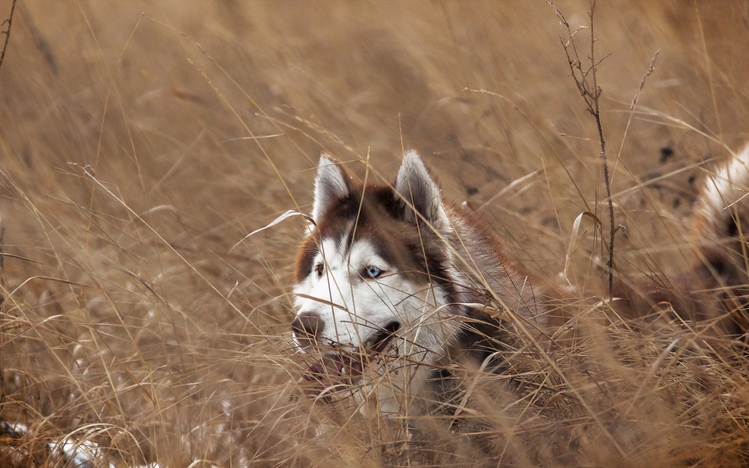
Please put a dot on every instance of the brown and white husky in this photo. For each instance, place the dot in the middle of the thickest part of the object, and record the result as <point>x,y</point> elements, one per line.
<point>393,283</point>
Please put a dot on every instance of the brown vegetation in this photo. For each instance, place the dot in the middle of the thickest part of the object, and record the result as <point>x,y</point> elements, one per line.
<point>140,141</point>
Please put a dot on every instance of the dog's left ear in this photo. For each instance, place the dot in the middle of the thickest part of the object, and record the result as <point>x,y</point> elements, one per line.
<point>421,193</point>
<point>331,185</point>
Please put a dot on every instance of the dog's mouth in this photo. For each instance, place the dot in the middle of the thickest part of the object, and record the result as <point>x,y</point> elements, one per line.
<point>382,338</point>
<point>339,368</point>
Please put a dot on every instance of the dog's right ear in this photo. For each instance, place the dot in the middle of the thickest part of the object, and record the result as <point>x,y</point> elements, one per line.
<point>331,185</point>
<point>415,186</point>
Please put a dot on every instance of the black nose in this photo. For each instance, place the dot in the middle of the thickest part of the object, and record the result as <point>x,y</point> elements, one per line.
<point>307,328</point>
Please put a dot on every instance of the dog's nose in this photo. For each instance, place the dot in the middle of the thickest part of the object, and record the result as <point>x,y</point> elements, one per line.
<point>307,328</point>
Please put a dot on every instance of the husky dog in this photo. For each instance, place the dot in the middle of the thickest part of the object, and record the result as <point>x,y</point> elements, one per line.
<point>395,274</point>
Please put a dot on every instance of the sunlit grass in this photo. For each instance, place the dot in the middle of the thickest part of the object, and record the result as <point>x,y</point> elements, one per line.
<point>139,143</point>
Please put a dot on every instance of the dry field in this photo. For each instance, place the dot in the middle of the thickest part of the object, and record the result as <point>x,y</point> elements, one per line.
<point>140,141</point>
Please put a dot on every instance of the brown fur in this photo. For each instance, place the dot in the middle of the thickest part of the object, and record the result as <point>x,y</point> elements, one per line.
<point>708,295</point>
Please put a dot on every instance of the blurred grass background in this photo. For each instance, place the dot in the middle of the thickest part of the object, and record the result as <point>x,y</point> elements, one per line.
<point>140,141</point>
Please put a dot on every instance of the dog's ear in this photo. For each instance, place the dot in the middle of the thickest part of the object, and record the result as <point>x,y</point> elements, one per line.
<point>331,185</point>
<point>421,193</point>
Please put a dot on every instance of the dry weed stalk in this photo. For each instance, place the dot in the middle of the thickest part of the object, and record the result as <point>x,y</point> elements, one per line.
<point>9,23</point>
<point>586,80</point>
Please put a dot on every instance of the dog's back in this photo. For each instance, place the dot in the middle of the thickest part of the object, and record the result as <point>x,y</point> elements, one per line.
<point>713,293</point>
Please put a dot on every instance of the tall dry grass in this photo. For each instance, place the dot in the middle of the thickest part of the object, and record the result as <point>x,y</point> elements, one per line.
<point>139,142</point>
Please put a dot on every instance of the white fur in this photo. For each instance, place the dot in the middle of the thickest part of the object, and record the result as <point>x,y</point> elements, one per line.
<point>363,306</point>
<point>723,190</point>
<point>354,309</point>
<point>330,185</point>
<point>415,185</point>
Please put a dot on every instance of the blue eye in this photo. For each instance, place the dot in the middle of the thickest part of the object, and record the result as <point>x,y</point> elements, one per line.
<point>373,272</point>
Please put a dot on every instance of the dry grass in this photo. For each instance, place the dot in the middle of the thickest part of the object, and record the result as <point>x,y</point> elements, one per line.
<point>140,142</point>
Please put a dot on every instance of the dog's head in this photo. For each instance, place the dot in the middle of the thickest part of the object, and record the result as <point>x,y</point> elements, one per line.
<point>373,274</point>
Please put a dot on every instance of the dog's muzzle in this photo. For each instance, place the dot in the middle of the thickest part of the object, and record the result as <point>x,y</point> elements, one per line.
<point>339,365</point>
<point>308,328</point>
